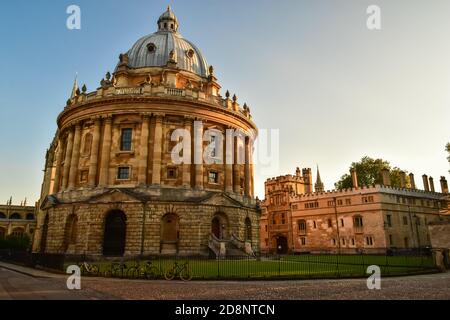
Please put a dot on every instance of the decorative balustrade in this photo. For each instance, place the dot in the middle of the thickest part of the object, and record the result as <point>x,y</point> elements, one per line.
<point>175,92</point>
<point>130,90</point>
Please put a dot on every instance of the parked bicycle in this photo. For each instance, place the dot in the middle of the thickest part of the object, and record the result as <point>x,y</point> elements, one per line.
<point>87,268</point>
<point>146,270</point>
<point>179,269</point>
<point>117,270</point>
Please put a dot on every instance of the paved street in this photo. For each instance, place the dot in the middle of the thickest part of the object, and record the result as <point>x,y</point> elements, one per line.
<point>17,286</point>
<point>44,285</point>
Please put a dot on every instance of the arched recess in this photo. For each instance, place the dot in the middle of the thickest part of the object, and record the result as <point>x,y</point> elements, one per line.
<point>70,232</point>
<point>170,231</point>
<point>15,216</point>
<point>114,238</point>
<point>248,229</point>
<point>281,242</point>
<point>44,234</point>
<point>220,226</point>
<point>2,215</point>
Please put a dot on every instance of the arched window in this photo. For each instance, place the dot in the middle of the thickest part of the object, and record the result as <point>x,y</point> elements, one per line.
<point>70,234</point>
<point>248,229</point>
<point>87,144</point>
<point>2,215</point>
<point>44,234</point>
<point>114,239</point>
<point>30,216</point>
<point>170,228</point>
<point>301,227</point>
<point>15,216</point>
<point>2,233</point>
<point>17,233</point>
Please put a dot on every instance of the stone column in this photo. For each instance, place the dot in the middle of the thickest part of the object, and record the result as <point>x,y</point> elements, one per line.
<point>229,160</point>
<point>106,153</point>
<point>157,150</point>
<point>236,167</point>
<point>66,168</point>
<point>73,173</point>
<point>247,167</point>
<point>143,157</point>
<point>58,168</point>
<point>198,153</point>
<point>93,161</point>
<point>186,174</point>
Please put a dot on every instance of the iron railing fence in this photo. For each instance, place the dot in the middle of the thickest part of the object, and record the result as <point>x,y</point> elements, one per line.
<point>261,266</point>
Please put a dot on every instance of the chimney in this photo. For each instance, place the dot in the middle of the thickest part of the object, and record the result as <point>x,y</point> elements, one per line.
<point>431,184</point>
<point>426,187</point>
<point>354,178</point>
<point>386,177</point>
<point>297,172</point>
<point>411,181</point>
<point>444,185</point>
<point>402,179</point>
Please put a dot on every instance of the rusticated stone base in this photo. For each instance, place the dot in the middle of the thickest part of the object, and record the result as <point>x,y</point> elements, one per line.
<point>144,223</point>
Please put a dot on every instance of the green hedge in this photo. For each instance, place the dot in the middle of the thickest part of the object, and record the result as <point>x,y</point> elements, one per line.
<point>15,243</point>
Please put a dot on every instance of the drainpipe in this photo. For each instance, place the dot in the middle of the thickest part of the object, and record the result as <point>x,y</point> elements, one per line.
<point>337,224</point>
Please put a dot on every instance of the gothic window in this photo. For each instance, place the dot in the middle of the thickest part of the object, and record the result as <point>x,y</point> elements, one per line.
<point>30,216</point>
<point>342,222</point>
<point>126,139</point>
<point>358,221</point>
<point>330,223</point>
<point>369,241</point>
<point>302,226</point>
<point>2,215</point>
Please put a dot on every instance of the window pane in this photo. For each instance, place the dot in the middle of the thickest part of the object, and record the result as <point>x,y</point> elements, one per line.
<point>124,173</point>
<point>125,143</point>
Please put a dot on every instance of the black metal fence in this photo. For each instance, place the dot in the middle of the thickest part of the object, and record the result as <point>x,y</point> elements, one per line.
<point>264,266</point>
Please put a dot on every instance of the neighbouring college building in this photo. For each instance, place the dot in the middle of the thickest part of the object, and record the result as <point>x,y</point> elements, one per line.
<point>372,218</point>
<point>17,220</point>
<point>111,187</point>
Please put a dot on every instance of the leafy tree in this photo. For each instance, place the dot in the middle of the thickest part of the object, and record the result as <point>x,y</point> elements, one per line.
<point>15,243</point>
<point>368,171</point>
<point>447,148</point>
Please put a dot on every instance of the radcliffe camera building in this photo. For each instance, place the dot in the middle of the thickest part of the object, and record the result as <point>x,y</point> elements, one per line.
<point>110,186</point>
<point>296,219</point>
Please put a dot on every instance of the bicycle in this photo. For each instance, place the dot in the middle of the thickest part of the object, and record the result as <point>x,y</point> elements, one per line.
<point>147,270</point>
<point>87,268</point>
<point>182,270</point>
<point>116,270</point>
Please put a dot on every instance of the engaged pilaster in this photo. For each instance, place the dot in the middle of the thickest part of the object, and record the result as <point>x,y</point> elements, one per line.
<point>157,149</point>
<point>143,157</point>
<point>106,153</point>
<point>93,162</point>
<point>67,159</point>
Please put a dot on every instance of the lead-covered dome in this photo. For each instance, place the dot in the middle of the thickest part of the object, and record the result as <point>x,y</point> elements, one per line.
<point>157,49</point>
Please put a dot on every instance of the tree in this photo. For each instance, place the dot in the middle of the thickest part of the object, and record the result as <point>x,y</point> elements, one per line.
<point>368,171</point>
<point>447,148</point>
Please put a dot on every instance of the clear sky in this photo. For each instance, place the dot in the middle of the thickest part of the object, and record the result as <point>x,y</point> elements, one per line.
<point>312,69</point>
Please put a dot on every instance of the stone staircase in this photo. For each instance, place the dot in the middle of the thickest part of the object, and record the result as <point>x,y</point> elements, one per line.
<point>233,247</point>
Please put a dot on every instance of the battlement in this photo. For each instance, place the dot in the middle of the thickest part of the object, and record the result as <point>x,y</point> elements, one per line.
<point>368,190</point>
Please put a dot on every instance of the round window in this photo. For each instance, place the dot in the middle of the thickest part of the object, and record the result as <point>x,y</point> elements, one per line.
<point>151,47</point>
<point>190,53</point>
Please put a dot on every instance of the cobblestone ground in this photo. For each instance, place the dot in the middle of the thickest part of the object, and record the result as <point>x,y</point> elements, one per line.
<point>435,286</point>
<point>42,285</point>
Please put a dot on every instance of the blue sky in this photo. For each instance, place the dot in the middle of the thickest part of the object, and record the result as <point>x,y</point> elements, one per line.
<point>336,90</point>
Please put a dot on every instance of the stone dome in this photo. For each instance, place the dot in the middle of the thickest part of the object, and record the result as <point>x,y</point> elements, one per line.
<point>154,50</point>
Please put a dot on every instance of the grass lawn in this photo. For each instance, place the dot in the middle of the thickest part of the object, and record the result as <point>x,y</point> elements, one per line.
<point>302,266</point>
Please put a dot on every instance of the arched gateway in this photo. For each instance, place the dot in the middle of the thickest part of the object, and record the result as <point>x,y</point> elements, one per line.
<point>115,233</point>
